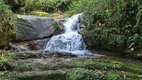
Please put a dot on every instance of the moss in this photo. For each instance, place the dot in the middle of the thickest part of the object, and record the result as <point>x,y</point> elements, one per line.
<point>43,66</point>
<point>55,26</point>
<point>86,69</point>
<point>26,76</point>
<point>55,75</point>
<point>133,76</point>
<point>5,65</point>
<point>2,79</point>
<point>51,75</point>
<point>107,65</point>
<point>114,70</point>
<point>66,65</point>
<point>1,74</point>
<point>113,76</point>
<point>83,74</point>
<point>133,68</point>
<point>99,64</point>
<point>3,42</point>
<point>121,75</point>
<point>7,56</point>
<point>22,68</point>
<point>42,14</point>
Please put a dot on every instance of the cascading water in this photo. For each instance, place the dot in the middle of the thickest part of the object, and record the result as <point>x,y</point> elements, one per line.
<point>70,41</point>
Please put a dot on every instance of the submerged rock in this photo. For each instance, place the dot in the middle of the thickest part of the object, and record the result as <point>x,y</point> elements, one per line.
<point>29,27</point>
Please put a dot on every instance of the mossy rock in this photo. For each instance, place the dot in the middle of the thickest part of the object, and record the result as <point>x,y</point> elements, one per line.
<point>23,68</point>
<point>113,76</point>
<point>83,74</point>
<point>106,64</point>
<point>5,65</point>
<point>43,75</point>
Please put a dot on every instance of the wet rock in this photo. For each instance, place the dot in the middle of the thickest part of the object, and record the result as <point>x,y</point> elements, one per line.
<point>39,75</point>
<point>61,54</point>
<point>29,45</point>
<point>52,54</point>
<point>29,27</point>
<point>38,54</point>
<point>27,54</point>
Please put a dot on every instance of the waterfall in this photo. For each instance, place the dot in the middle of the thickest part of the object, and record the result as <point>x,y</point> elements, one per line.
<point>70,41</point>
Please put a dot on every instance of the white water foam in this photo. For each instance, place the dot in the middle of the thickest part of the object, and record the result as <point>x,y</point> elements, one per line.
<point>70,41</point>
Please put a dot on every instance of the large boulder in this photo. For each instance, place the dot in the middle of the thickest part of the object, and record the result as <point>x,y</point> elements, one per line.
<point>29,27</point>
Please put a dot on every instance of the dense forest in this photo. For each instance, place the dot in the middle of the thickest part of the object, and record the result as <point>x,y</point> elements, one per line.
<point>111,26</point>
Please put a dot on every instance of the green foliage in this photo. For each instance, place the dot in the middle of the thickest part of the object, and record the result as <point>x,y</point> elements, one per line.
<point>82,74</point>
<point>111,24</point>
<point>5,17</point>
<point>2,79</point>
<point>27,76</point>
<point>7,56</point>
<point>5,59</point>
<point>55,26</point>
<point>107,65</point>
<point>134,42</point>
<point>50,75</point>
<point>31,5</point>
<point>113,76</point>
<point>46,5</point>
<point>55,5</point>
<point>4,65</point>
<point>22,68</point>
<point>6,23</point>
<point>105,69</point>
<point>84,69</point>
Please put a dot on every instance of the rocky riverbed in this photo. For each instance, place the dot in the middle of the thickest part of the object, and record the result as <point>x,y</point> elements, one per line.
<point>36,65</point>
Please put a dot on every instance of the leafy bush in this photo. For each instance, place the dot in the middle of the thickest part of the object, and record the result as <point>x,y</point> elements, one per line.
<point>6,23</point>
<point>7,56</point>
<point>31,5</point>
<point>46,5</point>
<point>55,5</point>
<point>111,24</point>
<point>5,16</point>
